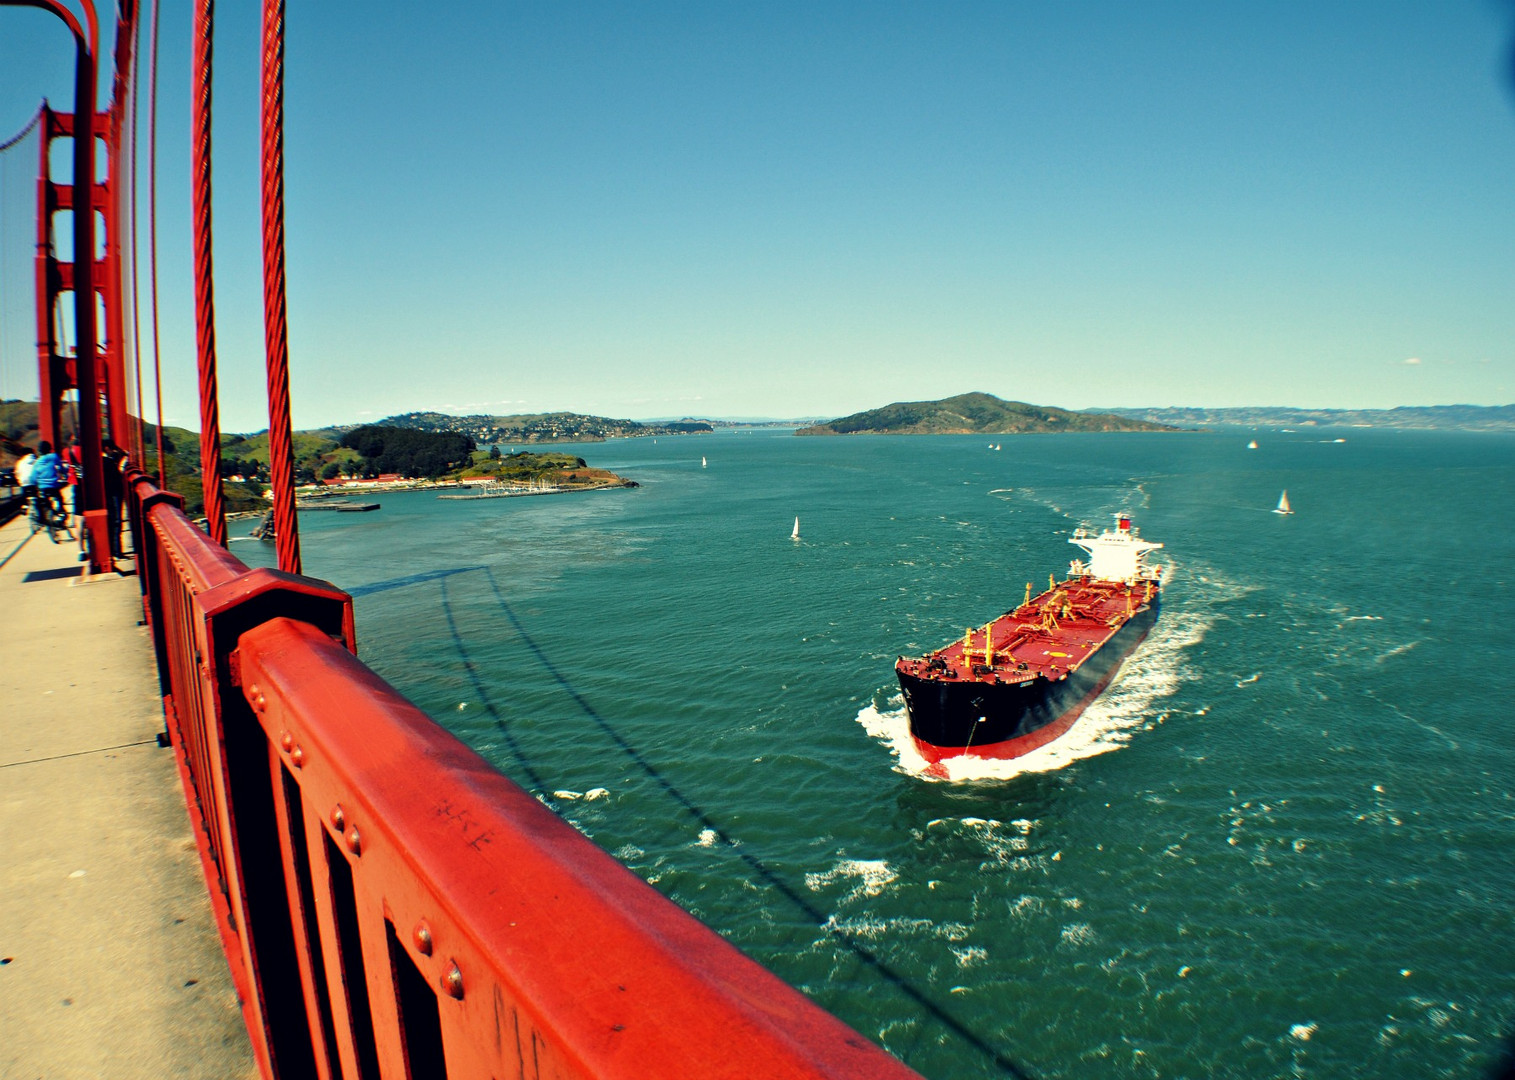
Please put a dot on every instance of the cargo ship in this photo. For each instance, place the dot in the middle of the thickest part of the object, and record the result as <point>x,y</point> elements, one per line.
<point>1022,680</point>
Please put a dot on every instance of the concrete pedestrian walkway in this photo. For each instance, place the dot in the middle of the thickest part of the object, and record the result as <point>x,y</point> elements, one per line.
<point>110,965</point>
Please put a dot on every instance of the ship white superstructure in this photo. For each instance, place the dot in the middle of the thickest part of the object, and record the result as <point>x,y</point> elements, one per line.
<point>1117,554</point>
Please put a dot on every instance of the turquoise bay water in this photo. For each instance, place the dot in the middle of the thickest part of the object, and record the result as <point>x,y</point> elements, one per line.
<point>1279,846</point>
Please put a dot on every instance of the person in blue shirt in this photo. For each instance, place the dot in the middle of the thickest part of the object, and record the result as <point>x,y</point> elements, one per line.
<point>48,477</point>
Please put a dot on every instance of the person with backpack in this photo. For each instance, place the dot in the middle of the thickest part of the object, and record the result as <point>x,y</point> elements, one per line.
<point>73,458</point>
<point>48,476</point>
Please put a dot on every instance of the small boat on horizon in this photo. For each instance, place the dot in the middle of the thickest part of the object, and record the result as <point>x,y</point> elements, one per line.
<point>702,462</point>
<point>1252,445</point>
<point>795,535</point>
<point>1283,504</point>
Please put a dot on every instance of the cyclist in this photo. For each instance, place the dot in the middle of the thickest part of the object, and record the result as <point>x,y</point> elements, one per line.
<point>48,476</point>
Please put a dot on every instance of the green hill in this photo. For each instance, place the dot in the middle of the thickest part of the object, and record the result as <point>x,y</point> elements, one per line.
<point>974,414</point>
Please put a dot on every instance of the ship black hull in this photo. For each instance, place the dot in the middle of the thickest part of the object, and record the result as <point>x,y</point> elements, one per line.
<point>949,718</point>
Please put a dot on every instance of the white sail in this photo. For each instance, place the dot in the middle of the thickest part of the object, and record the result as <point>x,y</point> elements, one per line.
<point>702,463</point>
<point>796,534</point>
<point>1283,504</point>
<point>1252,445</point>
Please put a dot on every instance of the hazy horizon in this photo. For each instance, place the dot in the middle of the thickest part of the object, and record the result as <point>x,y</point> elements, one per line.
<point>798,419</point>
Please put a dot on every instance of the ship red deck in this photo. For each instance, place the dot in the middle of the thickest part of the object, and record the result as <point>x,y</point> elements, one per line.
<point>1050,635</point>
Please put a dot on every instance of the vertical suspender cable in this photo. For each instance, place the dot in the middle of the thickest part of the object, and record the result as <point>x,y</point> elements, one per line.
<point>4,169</point>
<point>152,226</point>
<point>139,451</point>
<point>275,332</point>
<point>205,304</point>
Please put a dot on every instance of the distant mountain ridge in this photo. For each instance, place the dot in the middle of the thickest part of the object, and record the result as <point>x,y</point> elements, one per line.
<point>1416,417</point>
<point>541,427</point>
<point>975,414</point>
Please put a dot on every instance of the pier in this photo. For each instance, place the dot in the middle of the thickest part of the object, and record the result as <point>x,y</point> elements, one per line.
<point>339,507</point>
<point>496,491</point>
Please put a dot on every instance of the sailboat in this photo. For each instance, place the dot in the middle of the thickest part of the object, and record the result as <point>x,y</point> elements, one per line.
<point>702,462</point>
<point>1252,445</point>
<point>796,534</point>
<point>1283,504</point>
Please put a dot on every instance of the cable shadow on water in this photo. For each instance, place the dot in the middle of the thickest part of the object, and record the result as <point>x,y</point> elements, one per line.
<point>760,869</point>
<point>409,579</point>
<point>478,686</point>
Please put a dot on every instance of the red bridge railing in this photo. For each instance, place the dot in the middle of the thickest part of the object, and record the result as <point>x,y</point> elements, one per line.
<point>393,907</point>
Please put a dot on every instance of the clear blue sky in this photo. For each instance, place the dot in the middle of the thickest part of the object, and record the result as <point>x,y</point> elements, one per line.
<point>651,209</point>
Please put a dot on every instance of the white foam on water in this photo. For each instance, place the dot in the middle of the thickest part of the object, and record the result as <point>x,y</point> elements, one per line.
<point>573,796</point>
<point>874,927</point>
<point>870,877</point>
<point>1078,934</point>
<point>1153,672</point>
<point>1398,650</point>
<point>969,955</point>
<point>1006,843</point>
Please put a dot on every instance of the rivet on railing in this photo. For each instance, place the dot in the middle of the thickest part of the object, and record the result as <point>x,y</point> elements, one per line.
<point>286,741</point>
<point>354,841</point>
<point>452,982</point>
<point>297,757</point>
<point>255,695</point>
<point>338,818</point>
<point>423,938</point>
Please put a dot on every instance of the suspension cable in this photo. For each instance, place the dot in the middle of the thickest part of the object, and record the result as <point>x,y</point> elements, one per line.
<point>14,140</point>
<point>139,450</point>
<point>152,226</point>
<point>275,330</point>
<point>27,130</point>
<point>205,303</point>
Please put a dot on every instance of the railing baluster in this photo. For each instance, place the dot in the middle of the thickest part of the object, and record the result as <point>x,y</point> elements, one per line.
<point>350,963</point>
<point>291,814</point>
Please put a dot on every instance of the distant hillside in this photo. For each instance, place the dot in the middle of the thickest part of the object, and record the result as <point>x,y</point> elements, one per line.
<point>18,428</point>
<point>541,427</point>
<point>1423,417</point>
<point>975,414</point>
